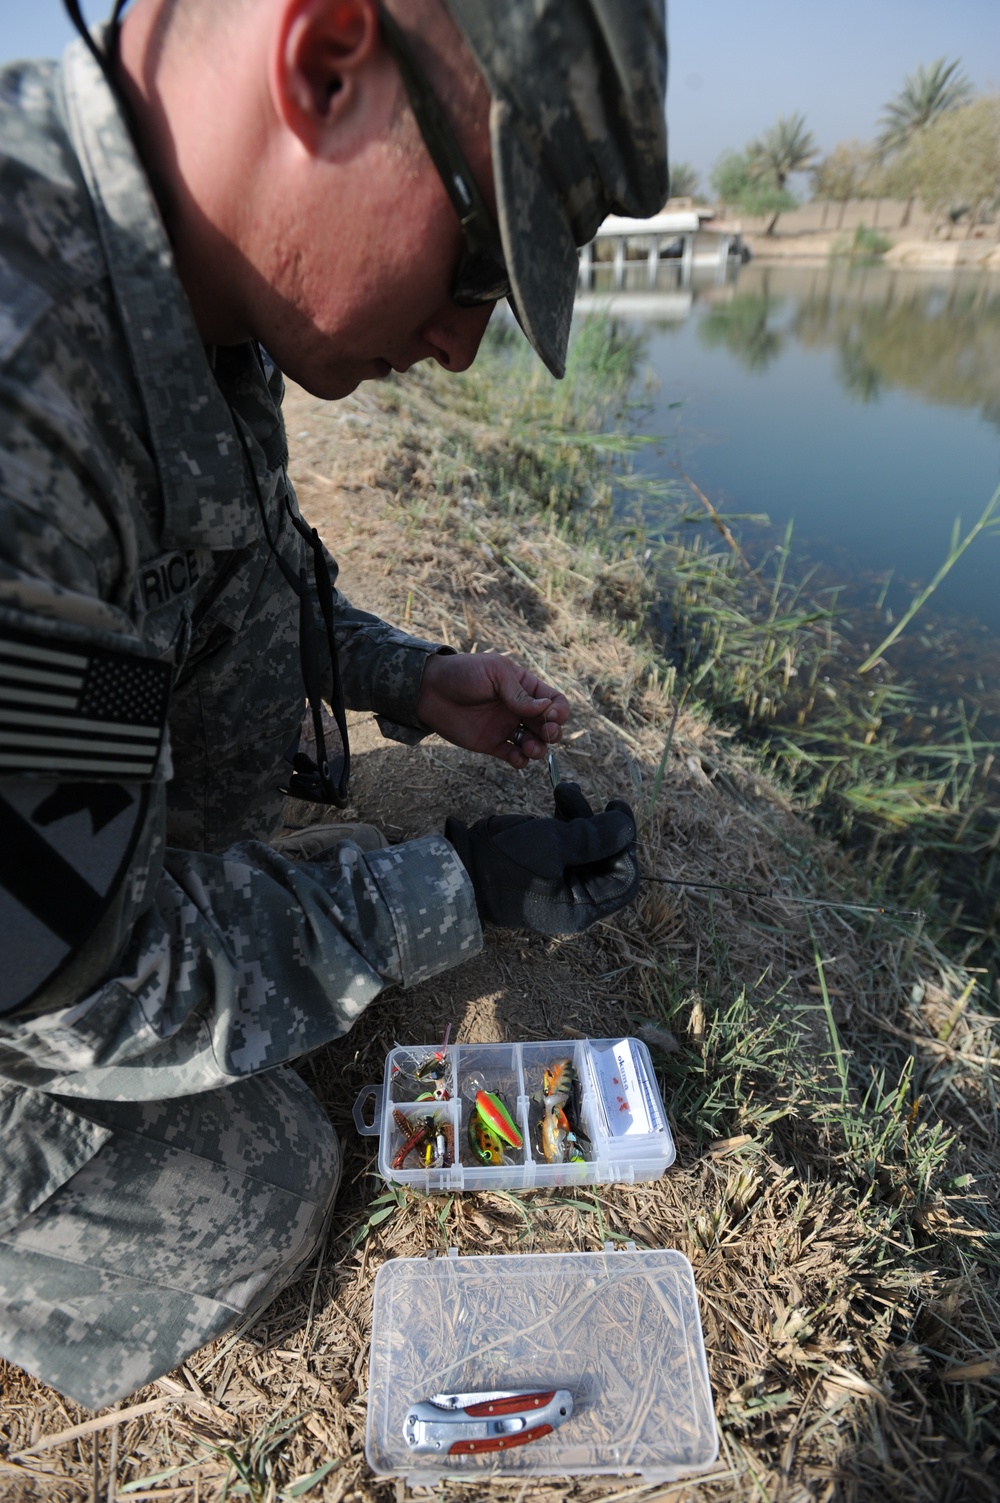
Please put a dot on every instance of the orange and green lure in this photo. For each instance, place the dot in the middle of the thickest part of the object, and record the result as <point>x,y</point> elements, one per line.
<point>498,1119</point>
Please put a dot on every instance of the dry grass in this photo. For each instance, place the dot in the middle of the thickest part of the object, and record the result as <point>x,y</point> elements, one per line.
<point>831,1084</point>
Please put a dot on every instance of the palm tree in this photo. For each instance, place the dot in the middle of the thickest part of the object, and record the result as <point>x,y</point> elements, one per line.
<point>787,147</point>
<point>925,94</point>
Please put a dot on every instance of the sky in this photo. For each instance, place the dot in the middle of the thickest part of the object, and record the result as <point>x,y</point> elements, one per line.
<point>736,65</point>
<point>734,68</point>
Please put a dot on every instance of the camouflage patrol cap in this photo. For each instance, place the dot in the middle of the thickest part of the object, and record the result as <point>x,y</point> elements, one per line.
<point>577,131</point>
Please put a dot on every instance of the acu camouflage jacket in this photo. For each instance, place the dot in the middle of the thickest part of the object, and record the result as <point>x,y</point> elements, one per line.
<point>151,946</point>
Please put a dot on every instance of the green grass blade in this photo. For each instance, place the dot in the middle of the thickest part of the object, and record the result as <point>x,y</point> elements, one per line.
<point>955,553</point>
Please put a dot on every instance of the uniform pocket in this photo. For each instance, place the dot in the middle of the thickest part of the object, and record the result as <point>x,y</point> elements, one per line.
<point>42,1144</point>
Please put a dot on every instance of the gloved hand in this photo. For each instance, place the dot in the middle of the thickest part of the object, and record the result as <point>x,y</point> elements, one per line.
<point>555,876</point>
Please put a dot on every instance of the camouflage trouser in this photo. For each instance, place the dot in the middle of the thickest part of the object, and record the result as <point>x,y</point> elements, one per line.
<point>195,1213</point>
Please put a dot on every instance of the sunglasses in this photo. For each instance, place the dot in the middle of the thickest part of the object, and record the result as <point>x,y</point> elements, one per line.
<point>482,275</point>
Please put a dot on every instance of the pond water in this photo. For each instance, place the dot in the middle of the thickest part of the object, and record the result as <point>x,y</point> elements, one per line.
<point>859,402</point>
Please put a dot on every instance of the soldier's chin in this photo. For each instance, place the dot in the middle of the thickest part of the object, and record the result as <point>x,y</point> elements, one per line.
<point>329,385</point>
<point>333,379</point>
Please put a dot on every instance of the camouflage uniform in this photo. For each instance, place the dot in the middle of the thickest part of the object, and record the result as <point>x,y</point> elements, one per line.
<point>156,955</point>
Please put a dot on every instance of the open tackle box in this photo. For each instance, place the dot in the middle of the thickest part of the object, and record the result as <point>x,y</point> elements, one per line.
<point>538,1364</point>
<point>604,1123</point>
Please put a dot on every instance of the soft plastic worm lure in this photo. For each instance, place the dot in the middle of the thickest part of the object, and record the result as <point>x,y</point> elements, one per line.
<point>413,1137</point>
<point>436,1139</point>
<point>408,1146</point>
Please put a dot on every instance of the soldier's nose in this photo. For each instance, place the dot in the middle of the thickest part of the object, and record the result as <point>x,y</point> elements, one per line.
<point>457,334</point>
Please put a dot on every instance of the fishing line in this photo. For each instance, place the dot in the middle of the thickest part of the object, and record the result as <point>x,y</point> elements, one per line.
<point>788,897</point>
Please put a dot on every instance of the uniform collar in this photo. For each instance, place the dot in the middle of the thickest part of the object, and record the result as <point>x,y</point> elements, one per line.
<point>197,453</point>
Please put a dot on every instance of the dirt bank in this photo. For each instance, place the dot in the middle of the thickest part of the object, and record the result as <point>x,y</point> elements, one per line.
<point>931,254</point>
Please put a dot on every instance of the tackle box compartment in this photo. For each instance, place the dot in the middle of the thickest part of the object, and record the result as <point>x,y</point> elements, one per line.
<point>620,1330</point>
<point>615,1113</point>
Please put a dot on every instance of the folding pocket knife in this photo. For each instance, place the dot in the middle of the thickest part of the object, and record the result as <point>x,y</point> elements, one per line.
<point>467,1424</point>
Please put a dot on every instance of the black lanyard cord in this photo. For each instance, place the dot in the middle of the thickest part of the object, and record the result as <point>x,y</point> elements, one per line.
<point>324,592</point>
<point>106,57</point>
<point>308,779</point>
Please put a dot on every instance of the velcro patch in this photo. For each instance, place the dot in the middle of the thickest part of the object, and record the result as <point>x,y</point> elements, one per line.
<point>72,710</point>
<point>163,579</point>
<point>64,852</point>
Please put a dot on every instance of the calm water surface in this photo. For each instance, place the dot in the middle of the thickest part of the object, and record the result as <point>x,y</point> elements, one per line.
<point>862,403</point>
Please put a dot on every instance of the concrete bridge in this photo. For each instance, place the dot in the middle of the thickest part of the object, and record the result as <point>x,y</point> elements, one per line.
<point>688,237</point>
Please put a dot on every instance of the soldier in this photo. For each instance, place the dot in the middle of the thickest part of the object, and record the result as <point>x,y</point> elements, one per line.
<point>194,201</point>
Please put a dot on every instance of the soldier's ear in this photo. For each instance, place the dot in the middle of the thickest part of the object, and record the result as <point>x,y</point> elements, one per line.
<point>324,60</point>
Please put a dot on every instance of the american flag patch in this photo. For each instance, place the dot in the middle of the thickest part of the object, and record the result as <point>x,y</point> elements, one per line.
<point>77,711</point>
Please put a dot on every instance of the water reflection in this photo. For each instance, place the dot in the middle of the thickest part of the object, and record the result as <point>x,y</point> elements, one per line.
<point>941,342</point>
<point>935,334</point>
<point>745,325</point>
<point>860,403</point>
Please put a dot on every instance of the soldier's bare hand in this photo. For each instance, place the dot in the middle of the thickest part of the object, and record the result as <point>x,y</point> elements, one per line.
<point>479,701</point>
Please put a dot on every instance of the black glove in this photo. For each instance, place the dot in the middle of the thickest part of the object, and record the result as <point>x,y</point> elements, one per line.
<point>556,876</point>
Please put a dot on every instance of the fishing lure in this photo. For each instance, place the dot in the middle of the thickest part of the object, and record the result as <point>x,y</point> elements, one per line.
<point>437,1139</point>
<point>558,1080</point>
<point>413,1137</point>
<point>444,1142</point>
<point>560,1144</point>
<point>558,1141</point>
<point>498,1119</point>
<point>435,1069</point>
<point>485,1144</point>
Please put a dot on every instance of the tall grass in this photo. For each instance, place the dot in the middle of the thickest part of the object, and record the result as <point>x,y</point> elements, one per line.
<point>904,775</point>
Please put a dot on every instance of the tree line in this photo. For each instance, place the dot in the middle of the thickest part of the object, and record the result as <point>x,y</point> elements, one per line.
<point>937,141</point>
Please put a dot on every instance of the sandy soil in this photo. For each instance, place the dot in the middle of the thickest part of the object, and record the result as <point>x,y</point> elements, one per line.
<point>931,254</point>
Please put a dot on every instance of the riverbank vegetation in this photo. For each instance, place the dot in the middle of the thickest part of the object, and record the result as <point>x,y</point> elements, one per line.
<point>950,162</point>
<point>866,244</point>
<point>831,1075</point>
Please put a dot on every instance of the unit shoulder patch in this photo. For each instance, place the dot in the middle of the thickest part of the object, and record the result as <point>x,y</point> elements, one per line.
<point>64,852</point>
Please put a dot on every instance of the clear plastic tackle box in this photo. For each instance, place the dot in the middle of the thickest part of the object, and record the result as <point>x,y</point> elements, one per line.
<point>606,1346</point>
<point>608,1125</point>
